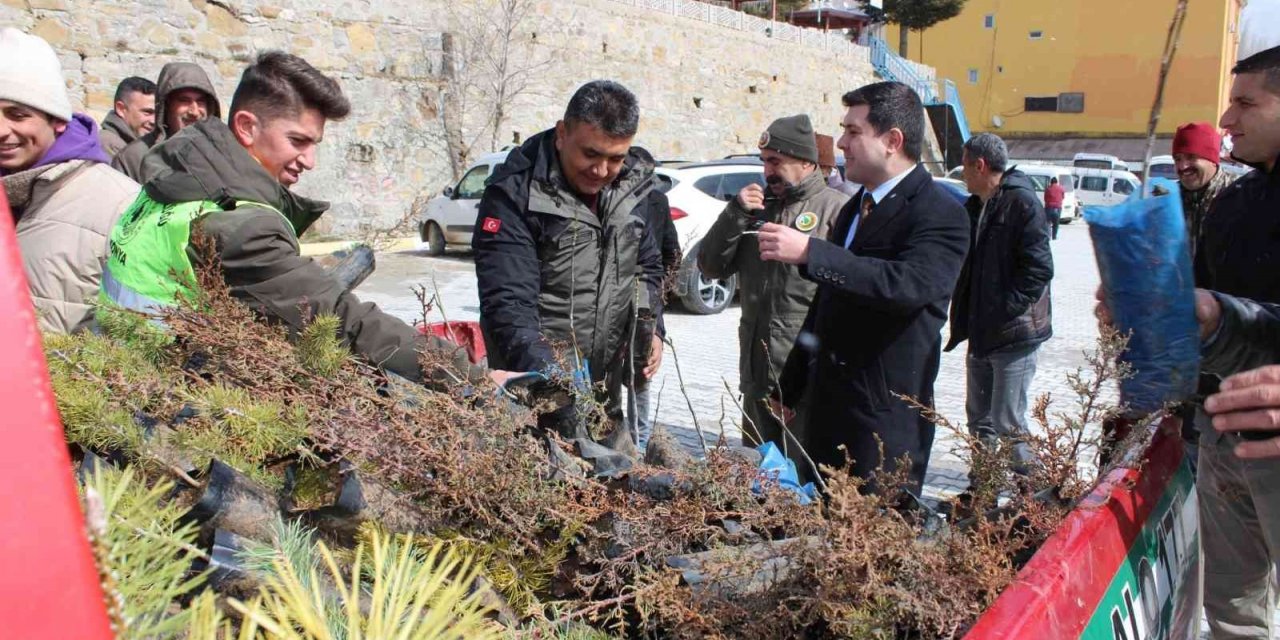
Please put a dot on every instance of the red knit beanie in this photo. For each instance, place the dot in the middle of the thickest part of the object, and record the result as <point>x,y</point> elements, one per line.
<point>1198,139</point>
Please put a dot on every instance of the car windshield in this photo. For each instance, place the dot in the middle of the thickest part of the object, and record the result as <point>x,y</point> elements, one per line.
<point>1041,182</point>
<point>471,186</point>
<point>1164,171</point>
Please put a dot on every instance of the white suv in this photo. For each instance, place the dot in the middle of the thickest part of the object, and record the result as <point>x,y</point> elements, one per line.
<point>698,193</point>
<point>450,217</point>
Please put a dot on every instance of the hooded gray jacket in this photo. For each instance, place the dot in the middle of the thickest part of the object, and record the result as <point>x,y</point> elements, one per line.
<point>173,77</point>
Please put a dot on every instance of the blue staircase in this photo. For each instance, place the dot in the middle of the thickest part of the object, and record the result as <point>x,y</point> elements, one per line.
<point>945,111</point>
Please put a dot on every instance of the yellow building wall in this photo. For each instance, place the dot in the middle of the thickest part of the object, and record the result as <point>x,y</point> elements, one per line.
<point>1108,49</point>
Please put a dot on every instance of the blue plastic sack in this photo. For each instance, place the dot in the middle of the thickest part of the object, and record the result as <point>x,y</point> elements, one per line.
<point>778,468</point>
<point>1142,254</point>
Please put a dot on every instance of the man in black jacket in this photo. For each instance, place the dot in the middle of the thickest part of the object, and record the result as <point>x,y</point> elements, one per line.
<point>1001,303</point>
<point>884,278</point>
<point>563,250</point>
<point>1239,255</point>
<point>643,359</point>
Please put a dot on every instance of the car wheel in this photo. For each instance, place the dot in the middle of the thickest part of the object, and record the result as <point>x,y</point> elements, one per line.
<point>700,294</point>
<point>434,237</point>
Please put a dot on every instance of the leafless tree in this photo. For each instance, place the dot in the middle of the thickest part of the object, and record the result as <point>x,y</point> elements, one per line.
<point>492,58</point>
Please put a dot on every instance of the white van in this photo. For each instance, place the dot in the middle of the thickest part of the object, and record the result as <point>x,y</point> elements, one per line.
<point>1040,174</point>
<point>1163,167</point>
<point>1098,161</point>
<point>1103,187</point>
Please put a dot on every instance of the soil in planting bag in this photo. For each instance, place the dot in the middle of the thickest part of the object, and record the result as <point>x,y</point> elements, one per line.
<point>776,467</point>
<point>1143,257</point>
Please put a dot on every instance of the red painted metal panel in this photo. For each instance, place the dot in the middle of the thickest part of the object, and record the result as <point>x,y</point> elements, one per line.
<point>48,583</point>
<point>466,334</point>
<point>1057,592</point>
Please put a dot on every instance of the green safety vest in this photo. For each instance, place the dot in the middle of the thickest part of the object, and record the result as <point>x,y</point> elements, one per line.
<point>147,266</point>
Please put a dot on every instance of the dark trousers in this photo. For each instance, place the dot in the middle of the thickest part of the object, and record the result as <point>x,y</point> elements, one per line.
<point>1055,216</point>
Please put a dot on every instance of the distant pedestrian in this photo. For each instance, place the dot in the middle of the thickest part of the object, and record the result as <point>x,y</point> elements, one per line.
<point>133,114</point>
<point>1053,197</point>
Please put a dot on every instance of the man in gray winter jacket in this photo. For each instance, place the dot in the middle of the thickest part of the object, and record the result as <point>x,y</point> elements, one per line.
<point>564,254</point>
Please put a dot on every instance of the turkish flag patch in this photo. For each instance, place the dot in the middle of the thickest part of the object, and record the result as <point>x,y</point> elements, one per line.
<point>491,225</point>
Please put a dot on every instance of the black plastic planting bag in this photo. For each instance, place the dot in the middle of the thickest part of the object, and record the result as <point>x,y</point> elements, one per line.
<point>1141,248</point>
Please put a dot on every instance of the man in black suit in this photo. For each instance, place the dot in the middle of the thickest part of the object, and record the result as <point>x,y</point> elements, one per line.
<point>885,277</point>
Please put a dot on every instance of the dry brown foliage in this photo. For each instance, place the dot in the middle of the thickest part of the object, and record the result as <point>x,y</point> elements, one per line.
<point>704,555</point>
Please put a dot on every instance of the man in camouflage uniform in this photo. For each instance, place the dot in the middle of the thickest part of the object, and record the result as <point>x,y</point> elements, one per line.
<point>775,299</point>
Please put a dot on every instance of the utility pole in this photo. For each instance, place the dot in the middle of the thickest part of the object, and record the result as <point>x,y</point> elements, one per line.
<point>773,12</point>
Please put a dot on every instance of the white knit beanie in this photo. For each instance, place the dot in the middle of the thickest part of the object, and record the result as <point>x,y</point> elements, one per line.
<point>31,74</point>
<point>1259,28</point>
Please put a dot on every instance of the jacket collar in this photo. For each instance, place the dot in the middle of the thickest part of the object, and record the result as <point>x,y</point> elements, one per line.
<point>115,123</point>
<point>810,186</point>
<point>205,162</point>
<point>538,158</point>
<point>1010,180</point>
<point>20,187</point>
<point>539,153</point>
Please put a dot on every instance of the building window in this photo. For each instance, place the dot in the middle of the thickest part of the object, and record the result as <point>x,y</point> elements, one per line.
<point>989,21</point>
<point>1036,35</point>
<point>1071,102</point>
<point>973,76</point>
<point>1093,183</point>
<point>1041,104</point>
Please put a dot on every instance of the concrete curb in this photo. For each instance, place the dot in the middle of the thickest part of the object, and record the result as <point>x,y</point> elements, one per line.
<point>323,248</point>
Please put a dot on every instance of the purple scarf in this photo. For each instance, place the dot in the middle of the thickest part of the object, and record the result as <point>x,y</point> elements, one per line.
<point>78,142</point>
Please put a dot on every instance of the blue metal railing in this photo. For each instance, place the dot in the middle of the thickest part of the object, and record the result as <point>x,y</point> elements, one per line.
<point>953,99</point>
<point>891,66</point>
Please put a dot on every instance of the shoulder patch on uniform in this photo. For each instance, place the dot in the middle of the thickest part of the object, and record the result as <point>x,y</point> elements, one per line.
<point>491,225</point>
<point>806,221</point>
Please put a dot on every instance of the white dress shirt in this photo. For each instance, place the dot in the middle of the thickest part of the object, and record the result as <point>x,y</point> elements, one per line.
<point>877,196</point>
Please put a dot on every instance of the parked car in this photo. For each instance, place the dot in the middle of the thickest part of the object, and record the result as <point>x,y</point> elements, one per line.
<point>1235,169</point>
<point>955,188</point>
<point>1040,175</point>
<point>450,217</point>
<point>698,193</point>
<point>1103,187</point>
<point>1163,167</point>
<point>1098,161</point>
